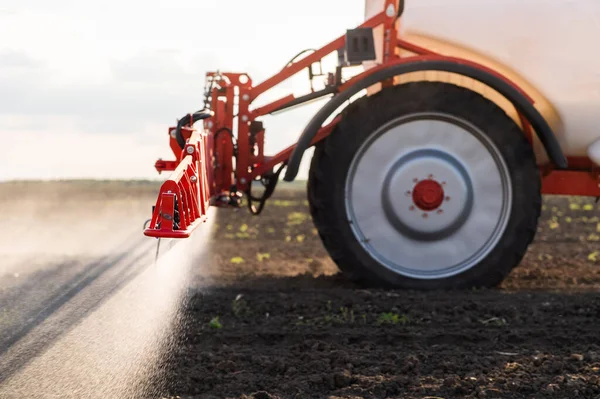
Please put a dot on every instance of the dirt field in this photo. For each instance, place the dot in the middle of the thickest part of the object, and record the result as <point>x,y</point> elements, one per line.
<point>267,316</point>
<point>273,320</point>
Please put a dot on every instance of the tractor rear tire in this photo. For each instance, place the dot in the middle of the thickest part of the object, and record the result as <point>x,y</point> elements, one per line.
<point>425,185</point>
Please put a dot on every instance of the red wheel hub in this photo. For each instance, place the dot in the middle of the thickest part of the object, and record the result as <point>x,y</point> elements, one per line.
<point>428,195</point>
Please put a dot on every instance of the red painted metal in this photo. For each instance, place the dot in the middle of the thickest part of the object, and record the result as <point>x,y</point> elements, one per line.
<point>243,137</point>
<point>183,199</point>
<point>390,35</point>
<point>220,143</point>
<point>582,164</point>
<point>572,182</point>
<point>162,165</point>
<point>582,178</point>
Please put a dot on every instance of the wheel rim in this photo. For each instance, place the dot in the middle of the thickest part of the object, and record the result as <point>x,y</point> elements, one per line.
<point>428,195</point>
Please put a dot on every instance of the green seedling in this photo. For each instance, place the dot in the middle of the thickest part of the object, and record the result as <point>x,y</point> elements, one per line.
<point>392,318</point>
<point>215,323</point>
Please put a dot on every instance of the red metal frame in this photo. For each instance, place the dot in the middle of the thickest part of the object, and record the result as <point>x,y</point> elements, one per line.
<point>582,178</point>
<point>188,187</point>
<point>211,162</point>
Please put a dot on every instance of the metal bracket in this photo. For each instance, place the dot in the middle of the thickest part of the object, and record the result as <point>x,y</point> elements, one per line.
<point>360,46</point>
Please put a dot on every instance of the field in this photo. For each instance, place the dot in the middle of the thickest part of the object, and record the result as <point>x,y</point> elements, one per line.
<point>272,319</point>
<point>264,313</point>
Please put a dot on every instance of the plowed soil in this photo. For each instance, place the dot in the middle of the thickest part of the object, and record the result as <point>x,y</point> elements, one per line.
<point>270,318</point>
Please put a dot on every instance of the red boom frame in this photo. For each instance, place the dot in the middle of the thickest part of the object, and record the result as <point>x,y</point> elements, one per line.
<point>184,198</point>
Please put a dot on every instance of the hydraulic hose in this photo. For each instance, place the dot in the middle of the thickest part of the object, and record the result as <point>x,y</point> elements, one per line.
<point>187,120</point>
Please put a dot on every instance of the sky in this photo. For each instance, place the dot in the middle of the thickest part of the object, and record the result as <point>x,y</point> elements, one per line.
<point>88,89</point>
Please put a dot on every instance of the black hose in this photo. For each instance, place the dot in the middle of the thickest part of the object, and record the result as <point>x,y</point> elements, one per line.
<point>195,117</point>
<point>270,184</point>
<point>224,129</point>
<point>294,58</point>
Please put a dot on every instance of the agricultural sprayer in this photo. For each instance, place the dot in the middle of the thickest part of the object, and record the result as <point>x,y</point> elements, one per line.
<point>429,164</point>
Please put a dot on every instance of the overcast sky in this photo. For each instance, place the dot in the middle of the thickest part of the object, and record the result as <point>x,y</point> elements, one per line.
<point>88,89</point>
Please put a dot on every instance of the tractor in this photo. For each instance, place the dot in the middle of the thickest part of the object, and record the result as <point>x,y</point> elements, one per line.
<point>429,165</point>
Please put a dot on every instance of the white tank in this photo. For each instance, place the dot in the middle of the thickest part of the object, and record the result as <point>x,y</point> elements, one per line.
<point>547,47</point>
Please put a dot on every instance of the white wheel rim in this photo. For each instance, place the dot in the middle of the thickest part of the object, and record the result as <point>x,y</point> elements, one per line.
<point>389,206</point>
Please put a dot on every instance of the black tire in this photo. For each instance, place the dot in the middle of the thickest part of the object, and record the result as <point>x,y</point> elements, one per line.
<point>333,158</point>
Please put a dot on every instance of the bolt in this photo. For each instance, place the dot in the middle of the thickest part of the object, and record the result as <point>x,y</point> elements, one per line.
<point>443,183</point>
<point>430,177</point>
<point>415,180</point>
<point>412,208</point>
<point>245,97</point>
<point>243,180</point>
<point>190,150</point>
<point>447,198</point>
<point>173,133</point>
<point>390,11</point>
<point>440,211</point>
<point>193,179</point>
<point>209,124</point>
<point>408,193</point>
<point>244,118</point>
<point>425,216</point>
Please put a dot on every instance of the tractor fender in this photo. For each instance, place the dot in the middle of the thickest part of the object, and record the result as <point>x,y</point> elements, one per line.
<point>522,102</point>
